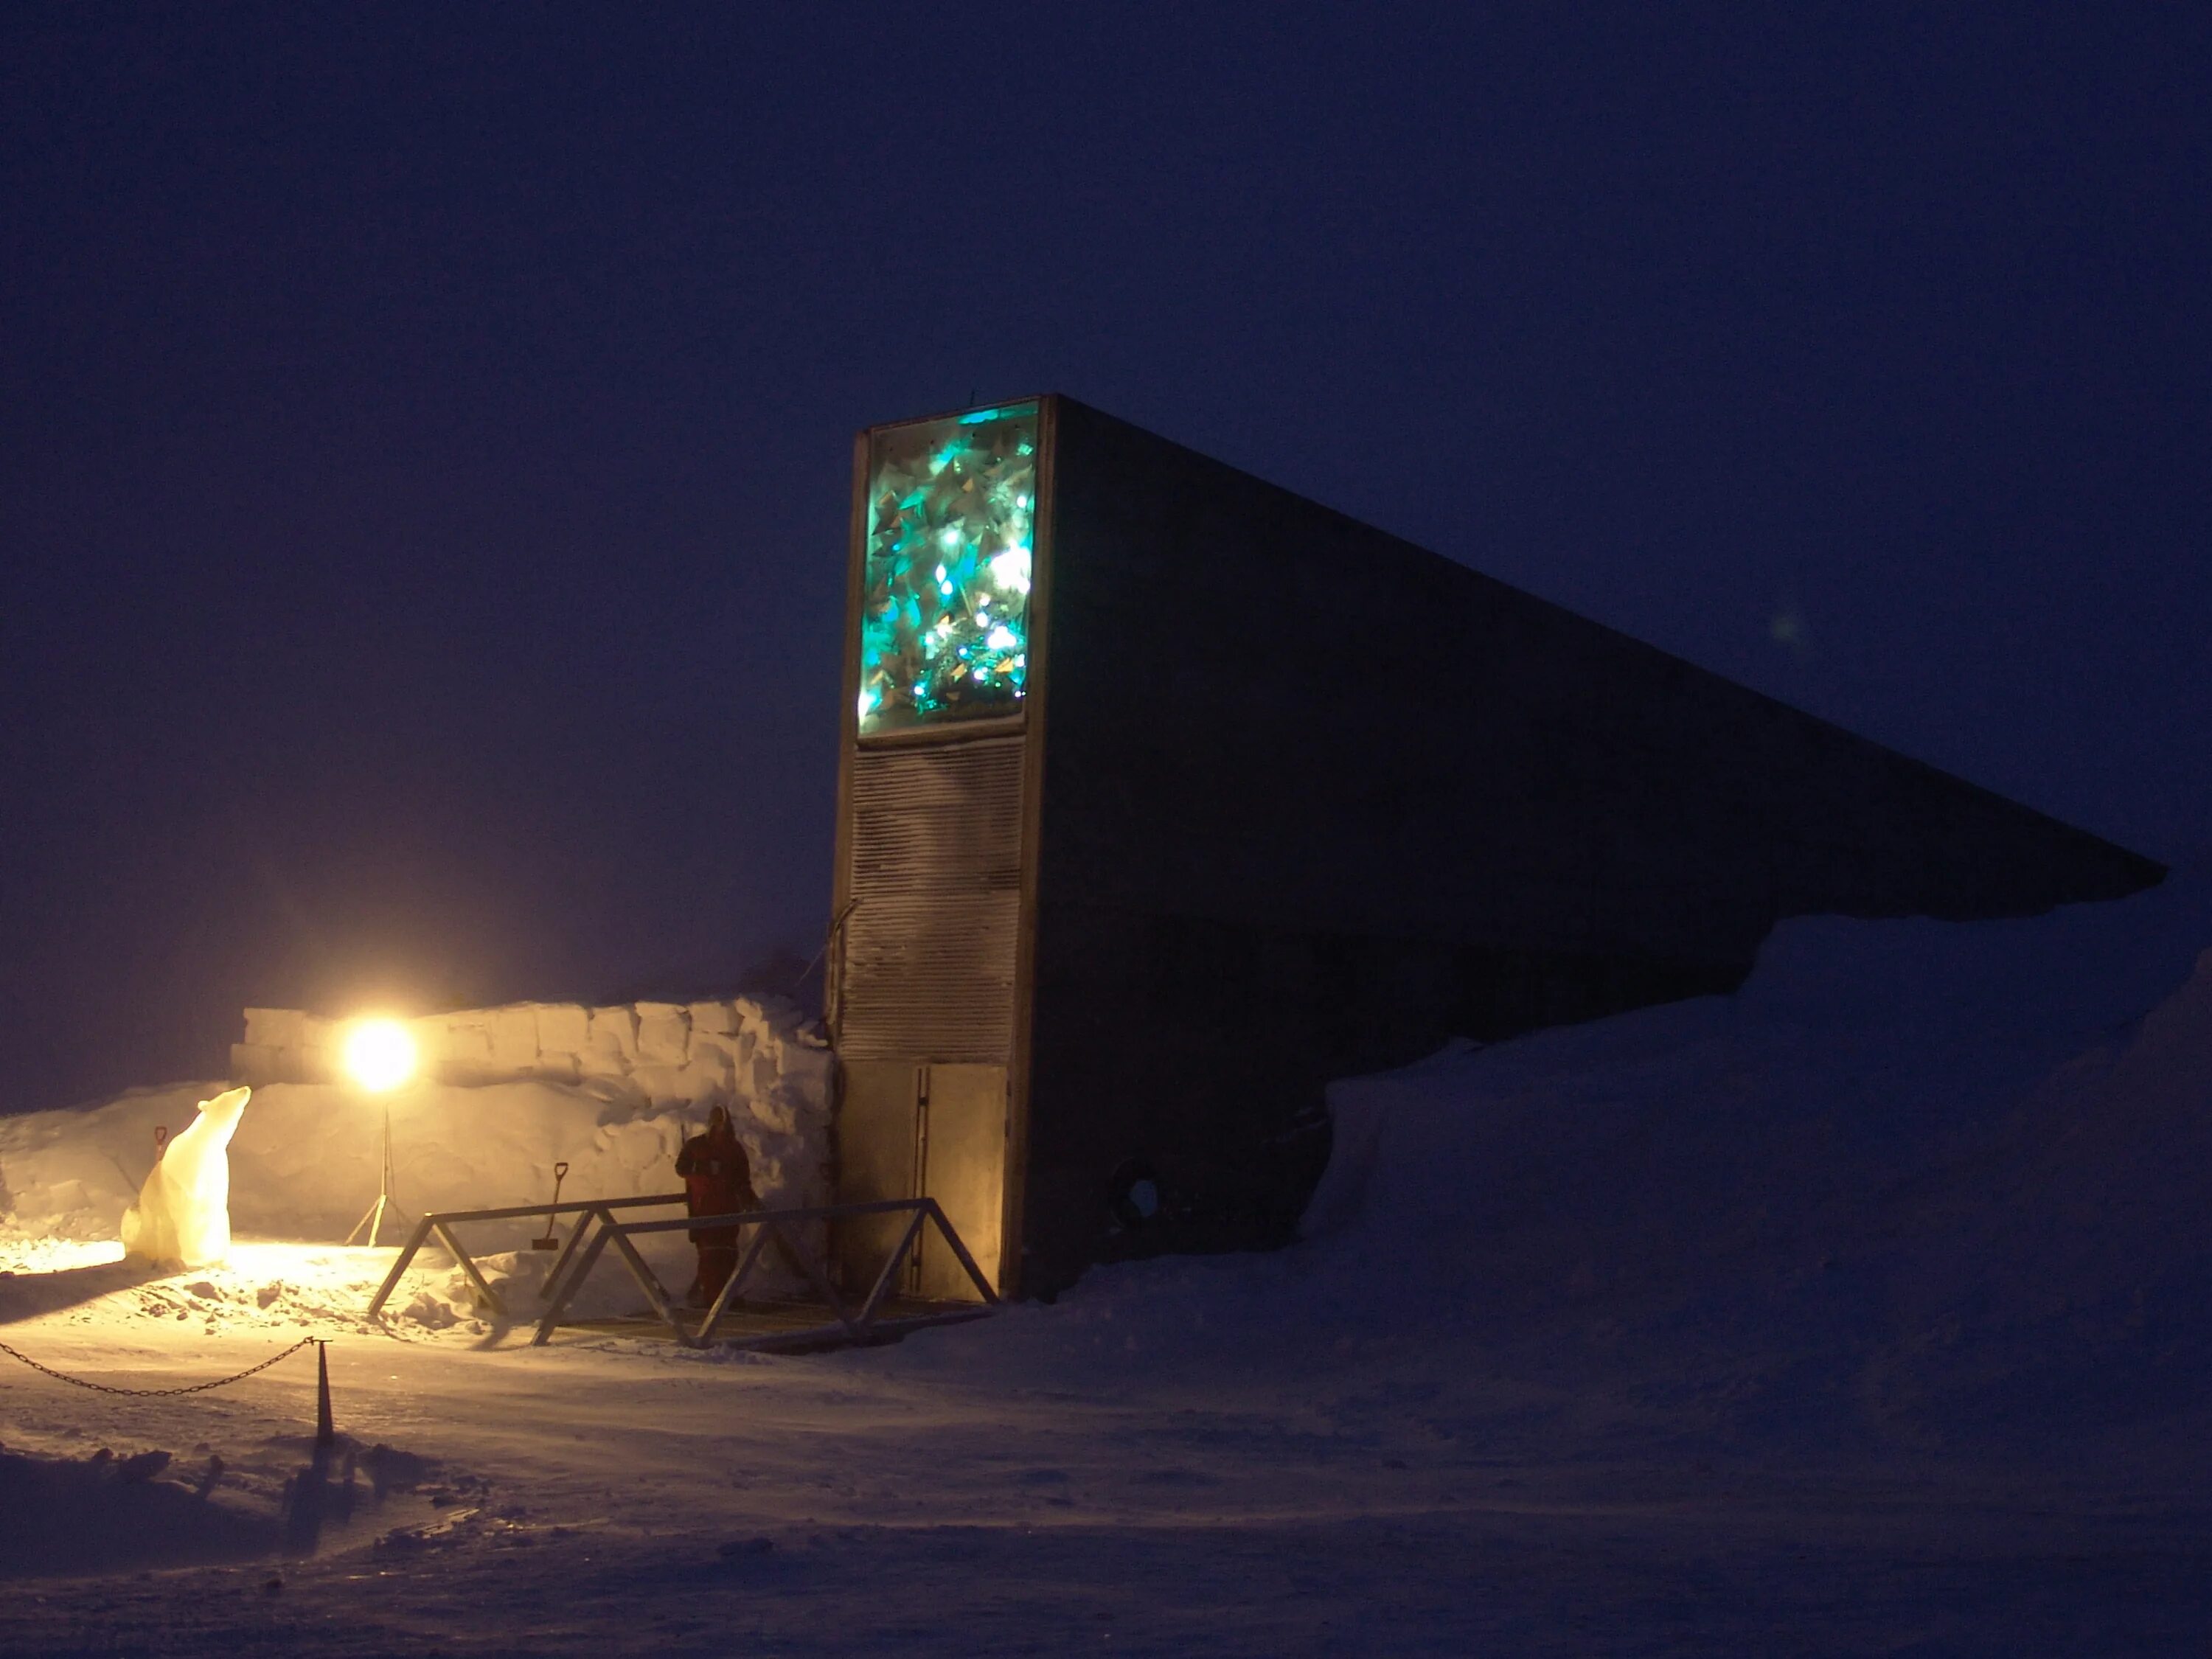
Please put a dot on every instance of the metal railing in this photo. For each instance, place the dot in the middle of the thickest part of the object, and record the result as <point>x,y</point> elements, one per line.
<point>850,1324</point>
<point>596,1227</point>
<point>443,1223</point>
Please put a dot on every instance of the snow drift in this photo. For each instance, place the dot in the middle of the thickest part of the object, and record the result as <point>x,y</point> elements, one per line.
<point>1933,1180</point>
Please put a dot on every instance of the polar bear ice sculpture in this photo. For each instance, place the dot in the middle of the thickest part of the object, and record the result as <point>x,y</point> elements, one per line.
<point>183,1213</point>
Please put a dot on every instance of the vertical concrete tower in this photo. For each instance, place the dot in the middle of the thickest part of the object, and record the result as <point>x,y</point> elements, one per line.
<point>1167,795</point>
<point>937,809</point>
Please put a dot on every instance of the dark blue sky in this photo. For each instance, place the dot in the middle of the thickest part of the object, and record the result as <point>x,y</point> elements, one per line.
<point>424,443</point>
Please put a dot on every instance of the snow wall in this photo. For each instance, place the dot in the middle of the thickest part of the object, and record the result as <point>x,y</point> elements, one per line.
<point>698,1052</point>
<point>508,1100</point>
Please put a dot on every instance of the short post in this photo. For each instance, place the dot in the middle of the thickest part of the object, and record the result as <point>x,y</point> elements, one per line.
<point>325,1433</point>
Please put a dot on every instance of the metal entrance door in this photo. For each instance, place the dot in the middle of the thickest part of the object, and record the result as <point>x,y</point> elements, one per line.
<point>964,1168</point>
<point>904,1130</point>
<point>876,1148</point>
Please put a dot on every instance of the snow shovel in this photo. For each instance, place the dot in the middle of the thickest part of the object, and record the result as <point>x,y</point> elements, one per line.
<point>550,1242</point>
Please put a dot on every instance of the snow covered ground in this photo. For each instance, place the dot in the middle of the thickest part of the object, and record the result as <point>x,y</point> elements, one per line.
<point>1865,1312</point>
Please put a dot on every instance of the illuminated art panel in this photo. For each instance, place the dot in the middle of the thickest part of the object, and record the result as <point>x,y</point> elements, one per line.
<point>945,615</point>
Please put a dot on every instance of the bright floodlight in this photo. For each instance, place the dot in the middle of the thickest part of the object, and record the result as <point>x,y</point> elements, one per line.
<point>379,1055</point>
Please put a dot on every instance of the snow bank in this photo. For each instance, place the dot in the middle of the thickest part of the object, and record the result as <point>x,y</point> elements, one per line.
<point>1857,1054</point>
<point>304,1163</point>
<point>110,1512</point>
<point>1966,1164</point>
<point>106,1514</point>
<point>758,1050</point>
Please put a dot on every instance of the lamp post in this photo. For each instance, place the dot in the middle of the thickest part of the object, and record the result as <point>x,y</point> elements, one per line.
<point>379,1055</point>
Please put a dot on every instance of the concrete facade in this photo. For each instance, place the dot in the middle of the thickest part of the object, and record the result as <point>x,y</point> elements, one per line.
<point>1304,800</point>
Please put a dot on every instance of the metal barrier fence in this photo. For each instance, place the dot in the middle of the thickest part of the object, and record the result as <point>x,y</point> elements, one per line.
<point>443,1223</point>
<point>852,1325</point>
<point>596,1227</point>
<point>325,1434</point>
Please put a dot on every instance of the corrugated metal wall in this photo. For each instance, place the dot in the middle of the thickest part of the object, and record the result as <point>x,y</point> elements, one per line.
<point>929,947</point>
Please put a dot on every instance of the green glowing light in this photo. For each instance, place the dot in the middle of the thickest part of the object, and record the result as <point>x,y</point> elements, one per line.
<point>945,639</point>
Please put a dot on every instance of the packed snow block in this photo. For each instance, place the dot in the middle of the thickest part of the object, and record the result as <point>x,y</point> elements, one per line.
<point>810,1072</point>
<point>790,1172</point>
<point>275,1028</point>
<point>796,1102</point>
<point>759,1080</point>
<point>664,1033</point>
<point>182,1217</point>
<point>560,1068</point>
<point>757,1018</point>
<point>256,1063</point>
<point>721,1018</point>
<point>305,1047</point>
<point>682,1087</point>
<point>611,1047</point>
<point>644,1149</point>
<point>786,1172</point>
<point>563,1029</point>
<point>722,1045</point>
<point>773,1111</point>
<point>468,1041</point>
<point>514,1039</point>
<point>713,1064</point>
<point>305,1155</point>
<point>644,1057</point>
<point>778,1014</point>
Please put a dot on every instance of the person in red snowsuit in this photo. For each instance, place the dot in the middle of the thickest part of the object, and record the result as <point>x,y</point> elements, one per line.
<point>718,1180</point>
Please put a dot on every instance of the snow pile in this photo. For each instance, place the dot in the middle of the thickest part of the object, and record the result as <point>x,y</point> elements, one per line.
<point>751,1053</point>
<point>1938,1179</point>
<point>108,1513</point>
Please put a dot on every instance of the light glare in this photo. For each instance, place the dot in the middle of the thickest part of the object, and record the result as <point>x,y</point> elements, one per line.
<point>379,1055</point>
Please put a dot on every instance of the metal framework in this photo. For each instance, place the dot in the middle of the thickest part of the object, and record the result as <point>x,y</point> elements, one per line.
<point>386,1204</point>
<point>443,1222</point>
<point>596,1227</point>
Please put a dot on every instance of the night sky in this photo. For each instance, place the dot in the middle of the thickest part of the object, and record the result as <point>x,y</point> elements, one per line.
<point>425,436</point>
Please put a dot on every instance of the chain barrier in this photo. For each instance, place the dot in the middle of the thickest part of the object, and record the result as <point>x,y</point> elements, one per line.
<point>190,1387</point>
